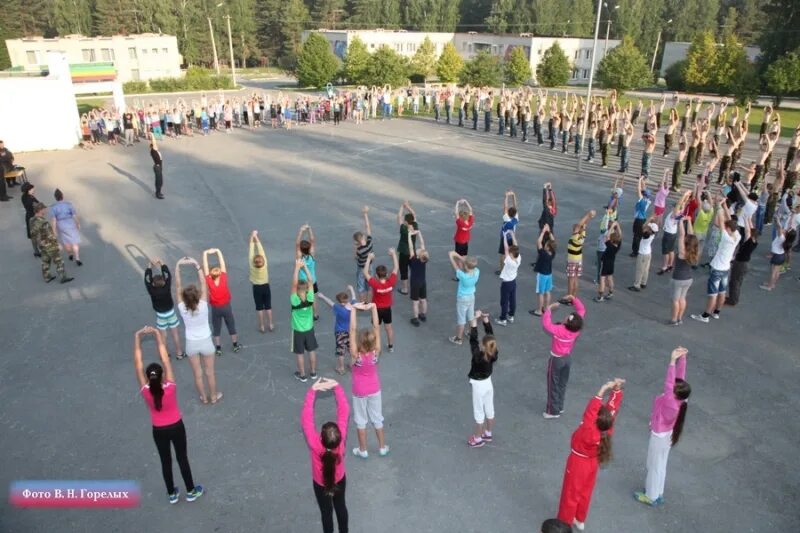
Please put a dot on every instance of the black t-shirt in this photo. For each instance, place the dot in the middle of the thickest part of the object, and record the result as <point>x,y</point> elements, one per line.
<point>611,252</point>
<point>480,368</point>
<point>745,250</point>
<point>156,155</point>
<point>544,262</point>
<point>27,201</point>
<point>416,270</point>
<point>161,296</point>
<point>127,121</point>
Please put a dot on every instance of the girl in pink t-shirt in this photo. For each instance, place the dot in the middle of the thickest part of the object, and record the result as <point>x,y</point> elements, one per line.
<point>157,386</point>
<point>367,405</point>
<point>660,202</point>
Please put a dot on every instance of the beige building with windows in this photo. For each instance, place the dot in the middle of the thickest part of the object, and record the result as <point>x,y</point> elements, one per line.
<point>578,50</point>
<point>135,57</point>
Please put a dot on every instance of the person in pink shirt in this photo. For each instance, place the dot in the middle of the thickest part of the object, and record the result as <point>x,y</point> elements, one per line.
<point>367,404</point>
<point>660,202</point>
<point>157,386</point>
<point>326,449</point>
<point>666,425</point>
<point>563,336</point>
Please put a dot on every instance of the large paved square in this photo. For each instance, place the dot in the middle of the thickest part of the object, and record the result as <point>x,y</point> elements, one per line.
<point>71,409</point>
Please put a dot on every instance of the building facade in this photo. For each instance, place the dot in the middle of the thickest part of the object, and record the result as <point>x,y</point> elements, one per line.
<point>468,45</point>
<point>135,57</point>
<point>675,51</point>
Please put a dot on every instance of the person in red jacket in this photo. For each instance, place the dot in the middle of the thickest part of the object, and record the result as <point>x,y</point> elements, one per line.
<point>591,447</point>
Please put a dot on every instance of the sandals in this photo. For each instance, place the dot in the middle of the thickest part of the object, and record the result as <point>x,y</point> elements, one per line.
<point>217,398</point>
<point>180,356</point>
<point>203,400</point>
<point>341,371</point>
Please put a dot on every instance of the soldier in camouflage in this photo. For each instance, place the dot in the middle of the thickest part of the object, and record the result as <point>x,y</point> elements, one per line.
<point>42,233</point>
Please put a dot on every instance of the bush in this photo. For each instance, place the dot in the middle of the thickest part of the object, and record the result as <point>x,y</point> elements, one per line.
<point>482,70</point>
<point>135,87</point>
<point>624,68</point>
<point>674,76</point>
<point>196,79</point>
<point>316,64</point>
<point>554,68</point>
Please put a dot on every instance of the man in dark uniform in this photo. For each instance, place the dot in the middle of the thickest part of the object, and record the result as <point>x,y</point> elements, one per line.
<point>157,168</point>
<point>42,232</point>
<point>6,165</point>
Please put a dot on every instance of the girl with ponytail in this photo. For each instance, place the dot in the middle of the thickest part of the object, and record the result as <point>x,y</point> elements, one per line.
<point>484,356</point>
<point>591,447</point>
<point>666,426</point>
<point>326,450</point>
<point>157,386</point>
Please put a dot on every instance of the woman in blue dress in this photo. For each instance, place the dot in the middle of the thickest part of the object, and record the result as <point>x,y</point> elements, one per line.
<point>67,225</point>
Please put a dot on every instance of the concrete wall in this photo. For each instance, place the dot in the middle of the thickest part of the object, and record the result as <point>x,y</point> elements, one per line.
<point>136,57</point>
<point>28,125</point>
<point>675,51</point>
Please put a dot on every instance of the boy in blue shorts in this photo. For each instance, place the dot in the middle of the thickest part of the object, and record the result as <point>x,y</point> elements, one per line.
<point>546,248</point>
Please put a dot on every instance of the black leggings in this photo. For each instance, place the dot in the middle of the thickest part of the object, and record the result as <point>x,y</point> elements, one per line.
<point>327,504</point>
<point>176,435</point>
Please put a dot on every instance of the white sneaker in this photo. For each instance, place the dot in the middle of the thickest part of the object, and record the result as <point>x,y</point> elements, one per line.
<point>548,416</point>
<point>358,453</point>
<point>578,525</point>
<point>511,319</point>
<point>384,451</point>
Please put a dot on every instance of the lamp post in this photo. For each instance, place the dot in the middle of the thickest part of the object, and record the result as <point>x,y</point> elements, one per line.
<point>230,45</point>
<point>655,52</point>
<point>591,79</point>
<point>213,42</point>
<point>608,27</point>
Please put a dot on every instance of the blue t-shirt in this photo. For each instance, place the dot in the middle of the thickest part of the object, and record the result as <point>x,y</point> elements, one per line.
<point>509,224</point>
<point>467,282</point>
<point>311,263</point>
<point>641,209</point>
<point>342,314</point>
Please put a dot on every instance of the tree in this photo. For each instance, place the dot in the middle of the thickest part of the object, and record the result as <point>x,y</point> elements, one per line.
<point>746,84</point>
<point>387,66</point>
<point>328,12</point>
<point>72,16</point>
<point>690,17</point>
<point>518,67</point>
<point>243,29</point>
<point>431,15</point>
<point>423,63</point>
<point>500,15</point>
<point>700,62</point>
<point>316,64</point>
<point>473,13</point>
<point>780,35</point>
<point>450,64</point>
<point>356,62</point>
<point>783,76</point>
<point>482,70</point>
<point>729,63</point>
<point>372,13</point>
<point>292,18</point>
<point>675,76</point>
<point>554,68</point>
<point>624,68</point>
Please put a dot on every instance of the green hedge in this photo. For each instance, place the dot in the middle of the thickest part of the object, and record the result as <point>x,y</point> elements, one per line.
<point>196,79</point>
<point>135,87</point>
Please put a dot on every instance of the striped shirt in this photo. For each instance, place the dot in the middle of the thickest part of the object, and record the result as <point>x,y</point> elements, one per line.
<point>362,252</point>
<point>575,246</point>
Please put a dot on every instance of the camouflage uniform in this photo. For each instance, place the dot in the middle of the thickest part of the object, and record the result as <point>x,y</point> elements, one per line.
<point>42,233</point>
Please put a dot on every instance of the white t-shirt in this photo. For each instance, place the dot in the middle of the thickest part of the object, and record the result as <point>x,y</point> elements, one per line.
<point>748,211</point>
<point>196,322</point>
<point>727,245</point>
<point>777,245</point>
<point>670,224</point>
<point>646,244</point>
<point>510,267</point>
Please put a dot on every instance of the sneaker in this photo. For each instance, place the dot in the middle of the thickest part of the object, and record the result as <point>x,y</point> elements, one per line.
<point>236,347</point>
<point>715,315</point>
<point>175,496</point>
<point>66,279</point>
<point>195,493</point>
<point>643,287</point>
<point>456,340</point>
<point>500,322</point>
<point>548,416</point>
<point>600,298</point>
<point>415,322</point>
<point>316,317</point>
<point>391,348</point>
<point>609,295</point>
<point>632,254</point>
<point>766,287</point>
<point>383,452</point>
<point>641,497</point>
<point>535,312</point>
<point>659,501</point>
<point>578,525</point>
<point>218,351</point>
<point>358,453</point>
<point>300,377</point>
<point>48,279</point>
<point>674,323</point>
<point>486,436</point>
<point>700,318</point>
<point>312,375</point>
<point>510,319</point>
<point>181,355</point>
<point>634,289</point>
<point>423,317</point>
<point>475,443</point>
<point>496,272</point>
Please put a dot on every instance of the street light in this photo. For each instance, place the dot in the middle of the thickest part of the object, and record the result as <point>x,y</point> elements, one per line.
<point>655,52</point>
<point>608,27</point>
<point>591,79</point>
<point>213,42</point>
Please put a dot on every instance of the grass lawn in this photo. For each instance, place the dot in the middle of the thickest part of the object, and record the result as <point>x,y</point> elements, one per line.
<point>84,106</point>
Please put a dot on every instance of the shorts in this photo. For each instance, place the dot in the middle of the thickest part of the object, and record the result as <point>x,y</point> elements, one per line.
<point>384,315</point>
<point>220,313</point>
<point>304,341</point>
<point>342,343</point>
<point>199,347</point>
<point>680,288</point>
<point>659,211</point>
<point>777,259</point>
<point>419,291</point>
<point>607,268</point>
<point>462,248</point>
<point>718,282</point>
<point>465,309</point>
<point>544,283</point>
<point>368,409</point>
<point>482,399</point>
<point>668,243</point>
<point>262,297</point>
<point>167,320</point>
<point>403,264</point>
<point>501,249</point>
<point>574,269</point>
<point>361,281</point>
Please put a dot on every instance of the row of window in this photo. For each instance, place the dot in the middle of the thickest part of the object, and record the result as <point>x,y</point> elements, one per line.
<point>89,55</point>
<point>580,74</point>
<point>586,52</point>
<point>154,51</point>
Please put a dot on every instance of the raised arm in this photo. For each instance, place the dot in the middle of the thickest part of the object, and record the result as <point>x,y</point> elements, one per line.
<point>137,356</point>
<point>376,327</point>
<point>669,381</point>
<point>367,226</point>
<point>412,252</point>
<point>400,214</point>
<point>540,240</point>
<point>206,253</point>
<point>586,218</point>
<point>367,265</point>
<point>221,261</point>
<point>411,210</point>
<point>311,239</point>
<point>455,260</point>
<point>298,264</point>
<point>325,299</point>
<point>395,264</point>
<point>353,334</point>
<point>299,238</point>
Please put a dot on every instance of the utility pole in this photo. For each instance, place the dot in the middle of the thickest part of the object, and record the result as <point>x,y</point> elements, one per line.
<point>655,52</point>
<point>230,45</point>
<point>591,79</point>
<point>608,31</point>
<point>213,45</point>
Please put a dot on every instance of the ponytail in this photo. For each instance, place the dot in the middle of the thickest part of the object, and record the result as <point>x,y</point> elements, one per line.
<point>154,374</point>
<point>331,438</point>
<point>604,451</point>
<point>604,422</point>
<point>677,429</point>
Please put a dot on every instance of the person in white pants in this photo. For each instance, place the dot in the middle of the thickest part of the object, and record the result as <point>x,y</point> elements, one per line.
<point>666,425</point>
<point>484,356</point>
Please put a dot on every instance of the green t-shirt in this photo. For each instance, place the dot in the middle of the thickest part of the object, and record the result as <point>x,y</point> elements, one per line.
<point>402,246</point>
<point>302,312</point>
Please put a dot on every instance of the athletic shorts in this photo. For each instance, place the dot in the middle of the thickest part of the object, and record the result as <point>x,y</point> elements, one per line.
<point>199,347</point>
<point>462,248</point>
<point>718,282</point>
<point>262,297</point>
<point>368,409</point>
<point>668,243</point>
<point>419,291</point>
<point>544,283</point>
<point>574,269</point>
<point>680,288</point>
<point>167,320</point>
<point>659,211</point>
<point>465,309</point>
<point>384,315</point>
<point>777,259</point>
<point>342,343</point>
<point>304,341</point>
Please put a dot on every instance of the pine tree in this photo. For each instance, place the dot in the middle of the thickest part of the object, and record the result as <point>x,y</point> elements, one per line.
<point>691,16</point>
<point>547,16</point>
<point>356,62</point>
<point>243,30</point>
<point>328,12</point>
<point>624,68</point>
<point>450,64</point>
<point>482,70</point>
<point>294,20</point>
<point>498,19</point>
<point>72,17</point>
<point>517,68</point>
<point>316,64</point>
<point>554,68</point>
<point>268,26</point>
<point>472,14</point>
<point>781,33</point>
<point>365,13</point>
<point>424,61</point>
<point>115,17</point>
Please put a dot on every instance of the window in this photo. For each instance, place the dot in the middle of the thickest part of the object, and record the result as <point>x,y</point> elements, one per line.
<point>107,54</point>
<point>575,74</point>
<point>155,51</point>
<point>88,55</point>
<point>132,53</point>
<point>165,51</point>
<point>144,51</point>
<point>135,74</point>
<point>577,54</point>
<point>32,57</point>
<point>464,45</point>
<point>588,53</point>
<point>372,45</point>
<point>585,73</point>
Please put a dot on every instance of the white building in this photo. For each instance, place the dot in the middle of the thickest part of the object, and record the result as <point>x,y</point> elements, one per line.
<point>135,57</point>
<point>578,50</point>
<point>675,51</point>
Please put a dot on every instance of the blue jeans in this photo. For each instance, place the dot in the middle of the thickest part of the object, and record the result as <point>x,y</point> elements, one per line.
<point>718,282</point>
<point>447,112</point>
<point>646,163</point>
<point>578,140</point>
<point>487,121</point>
<point>508,299</point>
<point>590,148</point>
<point>564,139</point>
<point>760,212</point>
<point>502,129</point>
<point>436,112</point>
<point>624,163</point>
<point>474,119</point>
<point>460,117</point>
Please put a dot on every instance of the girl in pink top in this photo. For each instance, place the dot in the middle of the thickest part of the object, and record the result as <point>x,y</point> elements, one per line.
<point>326,449</point>
<point>660,202</point>
<point>367,404</point>
<point>160,395</point>
<point>666,425</point>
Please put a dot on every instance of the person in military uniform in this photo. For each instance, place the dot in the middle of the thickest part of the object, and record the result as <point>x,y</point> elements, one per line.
<point>43,235</point>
